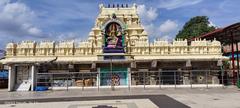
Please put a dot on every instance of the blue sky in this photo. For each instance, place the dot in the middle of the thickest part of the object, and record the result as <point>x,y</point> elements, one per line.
<point>73,19</point>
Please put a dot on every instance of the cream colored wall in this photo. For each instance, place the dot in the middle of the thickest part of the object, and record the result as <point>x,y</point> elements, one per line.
<point>25,48</point>
<point>45,48</point>
<point>11,49</point>
<point>65,48</point>
<point>179,47</point>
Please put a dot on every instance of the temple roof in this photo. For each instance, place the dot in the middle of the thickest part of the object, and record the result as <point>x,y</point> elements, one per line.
<point>224,35</point>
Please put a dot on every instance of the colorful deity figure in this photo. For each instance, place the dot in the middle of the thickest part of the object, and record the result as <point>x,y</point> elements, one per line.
<point>114,35</point>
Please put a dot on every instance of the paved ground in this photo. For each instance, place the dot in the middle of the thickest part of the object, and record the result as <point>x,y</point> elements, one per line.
<point>228,100</point>
<point>130,103</point>
<point>134,101</point>
<point>196,98</point>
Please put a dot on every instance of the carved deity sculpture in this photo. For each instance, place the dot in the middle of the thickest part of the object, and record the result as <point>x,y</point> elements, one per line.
<point>114,35</point>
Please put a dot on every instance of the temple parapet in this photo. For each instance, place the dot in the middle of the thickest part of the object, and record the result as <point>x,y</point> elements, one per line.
<point>45,48</point>
<point>179,46</point>
<point>26,48</point>
<point>84,48</point>
<point>159,47</point>
<point>65,48</point>
<point>11,49</point>
<point>214,47</point>
<point>199,46</point>
<point>142,47</point>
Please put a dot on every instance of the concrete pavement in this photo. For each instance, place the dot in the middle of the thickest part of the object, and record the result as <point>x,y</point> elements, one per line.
<point>196,97</point>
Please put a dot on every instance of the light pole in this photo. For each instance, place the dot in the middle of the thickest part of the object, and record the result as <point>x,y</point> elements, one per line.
<point>111,71</point>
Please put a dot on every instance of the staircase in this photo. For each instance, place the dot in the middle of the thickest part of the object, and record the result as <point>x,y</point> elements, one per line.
<point>24,86</point>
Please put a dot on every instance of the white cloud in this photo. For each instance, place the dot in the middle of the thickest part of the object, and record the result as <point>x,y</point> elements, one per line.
<point>34,31</point>
<point>173,4</point>
<point>165,31</point>
<point>211,24</point>
<point>147,14</point>
<point>66,36</point>
<point>150,28</point>
<point>17,20</point>
<point>168,26</point>
<point>166,37</point>
<point>3,2</point>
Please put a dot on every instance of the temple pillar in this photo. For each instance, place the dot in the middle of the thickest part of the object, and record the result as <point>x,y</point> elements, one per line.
<point>179,72</point>
<point>11,77</point>
<point>33,77</point>
<point>160,76</point>
<point>187,76</point>
<point>129,78</point>
<point>98,77</point>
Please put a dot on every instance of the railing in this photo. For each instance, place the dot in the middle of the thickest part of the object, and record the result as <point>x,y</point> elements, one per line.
<point>67,79</point>
<point>136,79</point>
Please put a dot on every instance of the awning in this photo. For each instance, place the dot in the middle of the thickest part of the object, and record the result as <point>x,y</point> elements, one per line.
<point>182,57</point>
<point>76,59</point>
<point>10,60</point>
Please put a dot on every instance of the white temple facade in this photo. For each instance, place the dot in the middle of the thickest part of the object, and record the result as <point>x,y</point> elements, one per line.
<point>31,49</point>
<point>117,39</point>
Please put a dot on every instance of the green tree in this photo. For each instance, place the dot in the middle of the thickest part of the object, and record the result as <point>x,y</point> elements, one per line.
<point>196,26</point>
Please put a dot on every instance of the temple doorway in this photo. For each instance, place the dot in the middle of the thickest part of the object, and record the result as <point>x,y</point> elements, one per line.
<point>116,77</point>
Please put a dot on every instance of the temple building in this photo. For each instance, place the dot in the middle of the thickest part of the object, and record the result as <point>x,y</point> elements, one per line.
<point>117,52</point>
